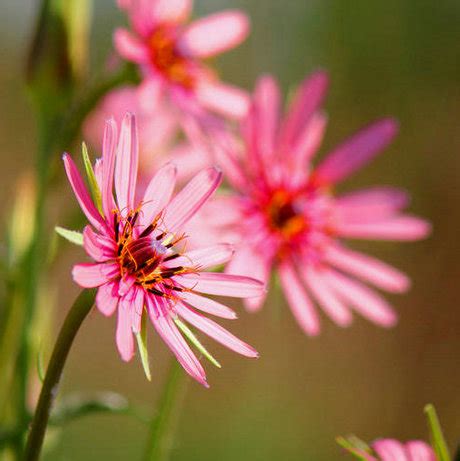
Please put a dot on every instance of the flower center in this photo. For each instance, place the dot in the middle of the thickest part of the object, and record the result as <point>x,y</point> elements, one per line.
<point>167,59</point>
<point>283,216</point>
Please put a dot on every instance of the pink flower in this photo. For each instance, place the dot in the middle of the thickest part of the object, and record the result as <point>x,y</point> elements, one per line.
<point>393,450</point>
<point>138,267</point>
<point>170,52</point>
<point>283,214</point>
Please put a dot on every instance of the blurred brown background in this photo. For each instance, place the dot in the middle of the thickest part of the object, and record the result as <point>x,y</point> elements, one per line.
<point>398,57</point>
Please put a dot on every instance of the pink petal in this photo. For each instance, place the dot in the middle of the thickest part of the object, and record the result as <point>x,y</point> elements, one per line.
<point>158,193</point>
<point>224,99</point>
<point>190,160</point>
<point>93,246</point>
<point>367,268</point>
<point>125,284</point>
<point>107,298</point>
<point>208,305</point>
<point>204,257</point>
<point>89,275</point>
<point>419,451</point>
<point>222,284</point>
<point>191,198</point>
<point>326,298</point>
<point>127,163</point>
<point>124,335</point>
<point>108,165</point>
<point>216,332</point>
<point>404,228</point>
<point>137,308</point>
<point>390,450</point>
<point>174,340</point>
<point>214,34</point>
<point>81,193</point>
<point>250,263</point>
<point>371,204</point>
<point>130,47</point>
<point>356,152</point>
<point>298,301</point>
<point>305,103</point>
<point>171,11</point>
<point>364,300</point>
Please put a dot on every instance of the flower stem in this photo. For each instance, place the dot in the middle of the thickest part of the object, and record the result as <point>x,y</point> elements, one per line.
<point>164,423</point>
<point>69,329</point>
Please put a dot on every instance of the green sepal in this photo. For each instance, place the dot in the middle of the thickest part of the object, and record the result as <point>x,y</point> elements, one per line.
<point>93,185</point>
<point>194,340</point>
<point>355,446</point>
<point>141,338</point>
<point>437,436</point>
<point>70,235</point>
<point>40,370</point>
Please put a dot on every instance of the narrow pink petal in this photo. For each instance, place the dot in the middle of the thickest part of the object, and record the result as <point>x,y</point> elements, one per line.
<point>89,275</point>
<point>127,163</point>
<point>107,298</point>
<point>216,332</point>
<point>124,335</point>
<point>324,295</point>
<point>356,152</point>
<point>108,164</point>
<point>404,228</point>
<point>93,246</point>
<point>213,283</point>
<point>208,305</point>
<point>158,193</point>
<point>298,301</point>
<point>81,193</point>
<point>250,263</point>
<point>305,103</point>
<point>214,34</point>
<point>305,147</point>
<point>125,284</point>
<point>227,100</point>
<point>204,258</point>
<point>364,300</point>
<point>130,47</point>
<point>371,204</point>
<point>189,159</point>
<point>174,340</point>
<point>390,450</point>
<point>191,198</point>
<point>367,268</point>
<point>137,308</point>
<point>171,11</point>
<point>419,451</point>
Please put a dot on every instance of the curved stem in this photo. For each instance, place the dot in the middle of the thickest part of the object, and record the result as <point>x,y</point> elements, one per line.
<point>164,423</point>
<point>69,329</point>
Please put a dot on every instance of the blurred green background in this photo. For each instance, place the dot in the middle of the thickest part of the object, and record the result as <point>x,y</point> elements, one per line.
<point>398,57</point>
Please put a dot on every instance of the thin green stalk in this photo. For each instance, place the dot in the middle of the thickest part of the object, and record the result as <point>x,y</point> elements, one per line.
<point>163,425</point>
<point>69,329</point>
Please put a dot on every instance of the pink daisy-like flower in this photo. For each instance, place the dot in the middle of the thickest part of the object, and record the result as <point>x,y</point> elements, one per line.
<point>393,450</point>
<point>139,269</point>
<point>283,213</point>
<point>170,52</point>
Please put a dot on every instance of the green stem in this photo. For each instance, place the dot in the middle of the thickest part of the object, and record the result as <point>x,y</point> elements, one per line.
<point>69,329</point>
<point>163,425</point>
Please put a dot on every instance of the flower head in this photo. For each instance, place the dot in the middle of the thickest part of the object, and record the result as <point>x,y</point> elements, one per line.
<point>140,263</point>
<point>284,215</point>
<point>170,50</point>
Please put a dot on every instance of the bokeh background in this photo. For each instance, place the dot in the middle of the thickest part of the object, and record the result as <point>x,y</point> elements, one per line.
<point>398,57</point>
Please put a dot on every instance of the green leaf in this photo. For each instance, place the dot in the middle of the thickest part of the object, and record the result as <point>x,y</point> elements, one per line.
<point>439,442</point>
<point>355,446</point>
<point>141,338</point>
<point>40,370</point>
<point>194,340</point>
<point>94,187</point>
<point>70,235</point>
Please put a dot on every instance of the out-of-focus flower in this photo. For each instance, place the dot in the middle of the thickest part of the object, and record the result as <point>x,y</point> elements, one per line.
<point>170,53</point>
<point>139,267</point>
<point>283,214</point>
